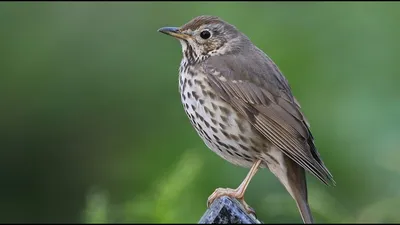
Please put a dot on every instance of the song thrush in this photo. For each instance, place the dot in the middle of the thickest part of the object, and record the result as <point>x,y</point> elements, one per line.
<point>243,109</point>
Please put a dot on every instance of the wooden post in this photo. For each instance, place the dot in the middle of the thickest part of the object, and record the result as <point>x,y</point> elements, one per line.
<point>226,210</point>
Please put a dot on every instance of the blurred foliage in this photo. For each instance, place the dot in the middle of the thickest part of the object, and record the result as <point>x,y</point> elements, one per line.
<point>92,128</point>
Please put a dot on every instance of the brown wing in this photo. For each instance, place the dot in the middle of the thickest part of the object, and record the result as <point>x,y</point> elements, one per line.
<point>259,92</point>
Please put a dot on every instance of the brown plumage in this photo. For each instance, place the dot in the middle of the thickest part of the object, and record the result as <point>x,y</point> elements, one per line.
<point>199,21</point>
<point>243,108</point>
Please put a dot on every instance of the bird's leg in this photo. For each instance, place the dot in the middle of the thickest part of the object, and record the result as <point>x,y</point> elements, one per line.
<point>237,193</point>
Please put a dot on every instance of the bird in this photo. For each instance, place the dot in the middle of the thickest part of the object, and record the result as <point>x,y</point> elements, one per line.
<point>243,109</point>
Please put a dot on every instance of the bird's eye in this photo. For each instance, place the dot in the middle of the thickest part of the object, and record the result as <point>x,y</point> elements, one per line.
<point>205,34</point>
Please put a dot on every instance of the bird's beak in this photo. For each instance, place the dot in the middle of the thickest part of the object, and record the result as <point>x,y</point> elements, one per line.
<point>174,32</point>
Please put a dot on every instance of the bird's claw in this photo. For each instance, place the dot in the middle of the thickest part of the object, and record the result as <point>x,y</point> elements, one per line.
<point>247,208</point>
<point>220,192</point>
<point>234,193</point>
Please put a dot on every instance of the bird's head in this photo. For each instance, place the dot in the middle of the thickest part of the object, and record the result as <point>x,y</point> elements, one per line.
<point>206,36</point>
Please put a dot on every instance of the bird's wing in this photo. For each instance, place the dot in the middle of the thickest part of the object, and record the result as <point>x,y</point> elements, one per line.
<point>260,93</point>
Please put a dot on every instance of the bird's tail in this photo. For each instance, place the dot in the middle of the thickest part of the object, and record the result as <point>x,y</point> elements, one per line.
<point>298,186</point>
<point>305,211</point>
<point>295,183</point>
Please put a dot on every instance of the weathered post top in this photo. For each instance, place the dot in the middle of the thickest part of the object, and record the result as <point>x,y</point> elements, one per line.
<point>227,210</point>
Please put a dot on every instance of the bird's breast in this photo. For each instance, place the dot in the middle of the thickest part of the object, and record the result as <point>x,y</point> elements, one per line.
<point>222,129</point>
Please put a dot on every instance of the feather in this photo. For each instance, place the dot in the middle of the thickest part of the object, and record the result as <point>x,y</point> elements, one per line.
<point>264,97</point>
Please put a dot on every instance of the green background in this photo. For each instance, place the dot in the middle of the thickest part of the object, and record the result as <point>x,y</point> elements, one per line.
<point>93,130</point>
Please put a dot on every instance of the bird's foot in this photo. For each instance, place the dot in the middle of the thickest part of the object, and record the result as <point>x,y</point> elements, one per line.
<point>234,193</point>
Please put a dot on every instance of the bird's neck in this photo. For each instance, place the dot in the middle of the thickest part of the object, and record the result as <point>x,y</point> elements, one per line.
<point>191,55</point>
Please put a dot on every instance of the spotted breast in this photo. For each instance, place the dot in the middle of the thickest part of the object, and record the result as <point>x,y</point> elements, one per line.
<point>222,129</point>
